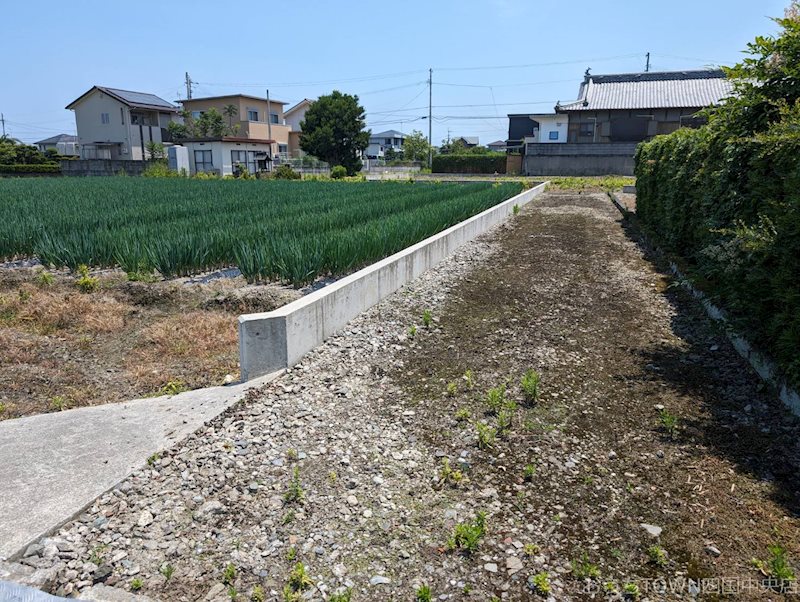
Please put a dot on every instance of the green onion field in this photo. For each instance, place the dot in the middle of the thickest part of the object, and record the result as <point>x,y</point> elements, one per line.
<point>278,230</point>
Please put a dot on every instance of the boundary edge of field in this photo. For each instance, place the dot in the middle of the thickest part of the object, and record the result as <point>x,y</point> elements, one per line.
<point>274,340</point>
<point>766,369</point>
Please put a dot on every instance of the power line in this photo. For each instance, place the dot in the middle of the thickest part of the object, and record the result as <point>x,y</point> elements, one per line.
<point>548,64</point>
<point>321,82</point>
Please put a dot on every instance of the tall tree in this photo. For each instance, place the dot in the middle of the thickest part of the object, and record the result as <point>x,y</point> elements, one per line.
<point>415,147</point>
<point>333,130</point>
<point>230,111</point>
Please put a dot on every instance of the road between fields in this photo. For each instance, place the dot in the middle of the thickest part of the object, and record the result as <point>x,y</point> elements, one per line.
<point>652,452</point>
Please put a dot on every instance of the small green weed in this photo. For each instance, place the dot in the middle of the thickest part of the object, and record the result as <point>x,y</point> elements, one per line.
<point>777,567</point>
<point>291,554</point>
<point>452,389</point>
<point>258,595</point>
<point>496,398</point>
<point>298,579</point>
<point>174,387</point>
<point>167,571</point>
<point>469,378</point>
<point>59,403</point>
<point>412,332</point>
<point>515,209</point>
<point>449,475</point>
<point>86,283</point>
<point>136,584</point>
<point>427,318</point>
<point>486,435</point>
<point>583,569</point>
<point>344,596</point>
<point>151,461</point>
<point>295,494</point>
<point>669,422</point>
<point>531,549</point>
<point>540,583</point>
<point>630,591</point>
<point>288,517</point>
<point>229,574</point>
<point>466,536</point>
<point>424,594</point>
<point>530,385</point>
<point>45,278</point>
<point>657,555</point>
<point>463,414</point>
<point>505,418</point>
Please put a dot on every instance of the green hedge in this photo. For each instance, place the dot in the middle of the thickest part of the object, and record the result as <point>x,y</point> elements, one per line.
<point>731,209</point>
<point>32,168</point>
<point>479,164</point>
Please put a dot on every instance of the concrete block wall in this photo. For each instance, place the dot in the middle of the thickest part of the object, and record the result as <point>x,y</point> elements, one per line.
<point>278,339</point>
<point>101,167</point>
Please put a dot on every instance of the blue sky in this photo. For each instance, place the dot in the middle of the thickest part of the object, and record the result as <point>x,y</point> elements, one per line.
<point>490,57</point>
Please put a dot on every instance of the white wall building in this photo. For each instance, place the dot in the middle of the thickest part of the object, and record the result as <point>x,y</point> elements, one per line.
<point>220,155</point>
<point>383,141</point>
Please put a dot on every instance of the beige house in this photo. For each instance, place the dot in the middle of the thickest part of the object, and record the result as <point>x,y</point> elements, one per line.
<point>118,124</point>
<point>256,117</point>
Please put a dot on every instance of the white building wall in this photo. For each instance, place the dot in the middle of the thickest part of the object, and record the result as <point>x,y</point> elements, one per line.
<point>558,123</point>
<point>293,120</point>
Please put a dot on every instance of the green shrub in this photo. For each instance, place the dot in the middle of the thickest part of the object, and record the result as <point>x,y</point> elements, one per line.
<point>285,172</point>
<point>37,168</point>
<point>730,208</point>
<point>489,163</point>
<point>159,169</point>
<point>338,172</point>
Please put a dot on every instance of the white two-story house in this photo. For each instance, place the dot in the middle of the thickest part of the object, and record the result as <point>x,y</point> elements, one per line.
<point>380,143</point>
<point>118,124</point>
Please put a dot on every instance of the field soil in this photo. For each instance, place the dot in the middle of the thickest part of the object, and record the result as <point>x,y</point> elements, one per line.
<point>63,348</point>
<point>652,462</point>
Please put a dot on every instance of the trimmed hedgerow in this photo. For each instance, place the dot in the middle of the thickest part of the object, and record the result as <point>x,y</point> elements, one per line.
<point>32,168</point>
<point>730,208</point>
<point>473,164</point>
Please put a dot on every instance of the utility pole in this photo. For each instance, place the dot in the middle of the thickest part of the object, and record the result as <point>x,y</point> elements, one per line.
<point>189,83</point>
<point>269,126</point>
<point>3,120</point>
<point>647,67</point>
<point>430,118</point>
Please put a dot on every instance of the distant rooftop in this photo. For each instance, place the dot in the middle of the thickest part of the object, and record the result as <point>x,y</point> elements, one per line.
<point>652,90</point>
<point>58,138</point>
<point>135,100</point>
<point>388,134</point>
<point>260,98</point>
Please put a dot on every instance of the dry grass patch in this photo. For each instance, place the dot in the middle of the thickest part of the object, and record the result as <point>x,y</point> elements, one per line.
<point>47,312</point>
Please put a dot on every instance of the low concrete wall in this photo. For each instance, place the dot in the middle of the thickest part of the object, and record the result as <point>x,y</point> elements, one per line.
<point>579,159</point>
<point>102,167</point>
<point>278,339</point>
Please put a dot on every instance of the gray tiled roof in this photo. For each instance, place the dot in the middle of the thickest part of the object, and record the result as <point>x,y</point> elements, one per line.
<point>655,90</point>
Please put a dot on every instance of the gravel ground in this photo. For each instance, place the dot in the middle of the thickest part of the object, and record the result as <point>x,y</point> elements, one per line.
<point>340,464</point>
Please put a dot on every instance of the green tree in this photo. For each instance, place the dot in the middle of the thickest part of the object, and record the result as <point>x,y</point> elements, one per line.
<point>210,124</point>
<point>416,147</point>
<point>14,152</point>
<point>230,111</point>
<point>766,83</point>
<point>333,130</point>
<point>155,151</point>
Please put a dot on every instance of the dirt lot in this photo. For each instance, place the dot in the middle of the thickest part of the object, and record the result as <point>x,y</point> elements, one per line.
<point>64,348</point>
<point>623,354</point>
<point>652,455</point>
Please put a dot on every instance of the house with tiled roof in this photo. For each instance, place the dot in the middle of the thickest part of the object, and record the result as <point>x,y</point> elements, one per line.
<point>598,132</point>
<point>118,124</point>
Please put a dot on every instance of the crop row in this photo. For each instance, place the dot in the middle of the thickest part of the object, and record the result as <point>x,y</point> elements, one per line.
<point>289,231</point>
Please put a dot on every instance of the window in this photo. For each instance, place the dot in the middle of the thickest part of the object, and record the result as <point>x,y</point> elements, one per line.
<point>105,118</point>
<point>197,114</point>
<point>252,115</point>
<point>273,118</point>
<point>283,148</point>
<point>122,115</point>
<point>388,142</point>
<point>245,159</point>
<point>554,135</point>
<point>587,129</point>
<point>203,161</point>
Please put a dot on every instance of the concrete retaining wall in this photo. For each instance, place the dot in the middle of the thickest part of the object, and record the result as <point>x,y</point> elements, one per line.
<point>102,167</point>
<point>278,339</point>
<point>598,159</point>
